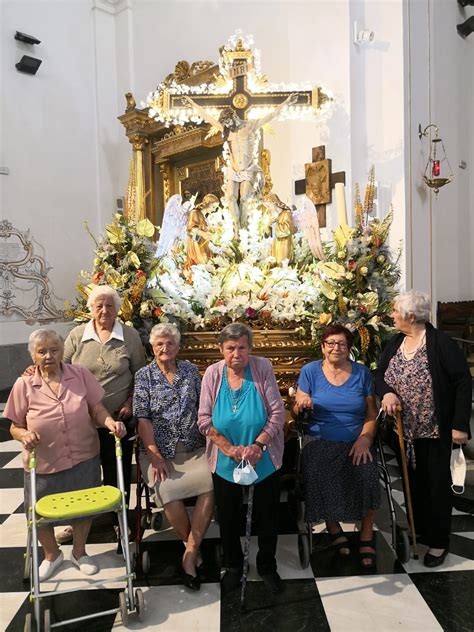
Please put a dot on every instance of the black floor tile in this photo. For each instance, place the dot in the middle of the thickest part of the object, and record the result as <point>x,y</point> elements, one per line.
<point>449,595</point>
<point>327,562</point>
<point>11,478</point>
<point>11,569</point>
<point>464,547</point>
<point>6,457</point>
<point>165,562</point>
<point>70,605</point>
<point>298,608</point>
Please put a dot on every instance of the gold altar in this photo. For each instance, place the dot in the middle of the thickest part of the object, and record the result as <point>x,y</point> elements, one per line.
<point>288,349</point>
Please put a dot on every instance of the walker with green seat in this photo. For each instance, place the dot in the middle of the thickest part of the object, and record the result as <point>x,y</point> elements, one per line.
<point>67,506</point>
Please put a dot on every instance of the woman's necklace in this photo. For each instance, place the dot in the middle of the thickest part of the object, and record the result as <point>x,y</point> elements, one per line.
<point>235,395</point>
<point>409,354</point>
<point>235,398</point>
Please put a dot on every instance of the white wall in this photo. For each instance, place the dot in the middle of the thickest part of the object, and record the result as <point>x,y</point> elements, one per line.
<point>440,82</point>
<point>59,134</point>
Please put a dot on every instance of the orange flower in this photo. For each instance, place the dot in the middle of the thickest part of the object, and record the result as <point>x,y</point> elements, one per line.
<point>157,312</point>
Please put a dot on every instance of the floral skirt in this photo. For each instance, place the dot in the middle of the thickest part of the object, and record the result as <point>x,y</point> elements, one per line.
<point>335,489</point>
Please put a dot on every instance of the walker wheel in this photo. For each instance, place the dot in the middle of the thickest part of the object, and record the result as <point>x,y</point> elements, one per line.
<point>140,604</point>
<point>123,607</point>
<point>157,521</point>
<point>145,521</point>
<point>146,562</point>
<point>27,626</point>
<point>303,549</point>
<point>47,621</point>
<point>26,567</point>
<point>402,545</point>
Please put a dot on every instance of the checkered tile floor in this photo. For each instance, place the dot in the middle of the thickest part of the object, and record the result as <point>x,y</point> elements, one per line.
<point>331,594</point>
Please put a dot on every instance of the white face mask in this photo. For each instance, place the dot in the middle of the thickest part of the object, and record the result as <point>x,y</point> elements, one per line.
<point>458,470</point>
<point>244,474</point>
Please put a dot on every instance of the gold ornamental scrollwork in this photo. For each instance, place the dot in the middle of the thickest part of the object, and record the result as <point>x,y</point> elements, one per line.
<point>165,171</point>
<point>138,142</point>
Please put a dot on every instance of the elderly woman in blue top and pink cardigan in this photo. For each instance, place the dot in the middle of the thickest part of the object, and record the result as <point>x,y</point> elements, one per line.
<point>242,415</point>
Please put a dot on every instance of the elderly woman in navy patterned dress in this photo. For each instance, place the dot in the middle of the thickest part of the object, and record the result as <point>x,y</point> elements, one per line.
<point>423,371</point>
<point>340,474</point>
<point>165,400</point>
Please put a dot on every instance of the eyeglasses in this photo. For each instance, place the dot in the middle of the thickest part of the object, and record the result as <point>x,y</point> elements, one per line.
<point>335,343</point>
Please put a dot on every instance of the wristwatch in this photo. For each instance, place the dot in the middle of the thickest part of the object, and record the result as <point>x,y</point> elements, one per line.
<point>262,446</point>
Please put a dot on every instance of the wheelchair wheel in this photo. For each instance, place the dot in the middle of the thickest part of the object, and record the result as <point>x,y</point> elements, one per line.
<point>303,549</point>
<point>123,608</point>
<point>140,604</point>
<point>402,545</point>
<point>27,626</point>
<point>156,521</point>
<point>145,521</point>
<point>26,567</point>
<point>47,621</point>
<point>146,562</point>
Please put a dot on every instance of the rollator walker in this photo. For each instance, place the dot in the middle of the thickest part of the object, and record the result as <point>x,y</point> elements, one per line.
<point>68,506</point>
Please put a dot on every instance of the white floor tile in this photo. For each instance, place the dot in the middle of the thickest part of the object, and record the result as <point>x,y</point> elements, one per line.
<point>13,531</point>
<point>465,534</point>
<point>175,609</point>
<point>10,500</point>
<point>110,565</point>
<point>9,604</point>
<point>380,602</point>
<point>10,446</point>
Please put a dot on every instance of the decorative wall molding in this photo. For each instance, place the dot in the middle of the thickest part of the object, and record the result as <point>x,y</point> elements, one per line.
<point>25,289</point>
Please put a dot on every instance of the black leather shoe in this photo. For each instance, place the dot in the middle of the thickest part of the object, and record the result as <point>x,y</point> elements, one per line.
<point>231,579</point>
<point>190,581</point>
<point>273,582</point>
<point>432,561</point>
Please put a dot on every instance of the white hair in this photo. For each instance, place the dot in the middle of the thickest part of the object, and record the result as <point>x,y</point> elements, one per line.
<point>414,303</point>
<point>165,329</point>
<point>104,290</point>
<point>43,334</point>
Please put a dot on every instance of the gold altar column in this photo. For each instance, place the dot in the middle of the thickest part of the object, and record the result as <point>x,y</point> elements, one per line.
<point>138,142</point>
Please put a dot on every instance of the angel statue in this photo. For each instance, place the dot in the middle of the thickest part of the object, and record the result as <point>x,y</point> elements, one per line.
<point>306,219</point>
<point>175,219</point>
<point>199,237</point>
<point>283,228</point>
<point>244,179</point>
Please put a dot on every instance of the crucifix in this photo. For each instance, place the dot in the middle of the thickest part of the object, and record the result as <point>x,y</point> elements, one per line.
<point>237,90</point>
<point>319,182</point>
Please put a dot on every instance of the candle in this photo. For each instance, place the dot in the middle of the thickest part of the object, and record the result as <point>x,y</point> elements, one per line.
<point>341,204</point>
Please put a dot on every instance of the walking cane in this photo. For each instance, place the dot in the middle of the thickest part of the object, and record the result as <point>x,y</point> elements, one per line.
<point>248,528</point>
<point>403,458</point>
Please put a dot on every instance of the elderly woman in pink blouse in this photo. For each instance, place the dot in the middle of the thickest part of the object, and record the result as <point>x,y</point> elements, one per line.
<point>242,415</point>
<point>55,411</point>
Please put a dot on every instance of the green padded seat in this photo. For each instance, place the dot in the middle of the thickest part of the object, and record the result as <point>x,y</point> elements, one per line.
<point>83,502</point>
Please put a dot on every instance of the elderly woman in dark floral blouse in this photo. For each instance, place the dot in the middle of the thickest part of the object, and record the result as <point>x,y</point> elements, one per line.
<point>165,400</point>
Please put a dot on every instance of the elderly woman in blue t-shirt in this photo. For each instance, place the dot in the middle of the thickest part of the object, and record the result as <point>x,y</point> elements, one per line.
<point>165,400</point>
<point>340,475</point>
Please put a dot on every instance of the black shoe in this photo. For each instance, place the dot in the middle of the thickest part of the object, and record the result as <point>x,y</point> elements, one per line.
<point>231,579</point>
<point>273,582</point>
<point>190,581</point>
<point>432,561</point>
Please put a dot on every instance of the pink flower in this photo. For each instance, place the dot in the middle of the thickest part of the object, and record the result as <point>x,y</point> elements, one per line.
<point>250,312</point>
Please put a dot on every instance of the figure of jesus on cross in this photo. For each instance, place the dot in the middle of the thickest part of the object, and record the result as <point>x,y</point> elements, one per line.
<point>244,177</point>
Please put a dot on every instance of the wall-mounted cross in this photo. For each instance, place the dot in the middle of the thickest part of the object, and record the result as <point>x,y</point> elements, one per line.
<point>319,182</point>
